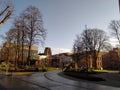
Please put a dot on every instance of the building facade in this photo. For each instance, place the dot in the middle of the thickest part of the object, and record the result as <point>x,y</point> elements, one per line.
<point>15,53</point>
<point>85,60</point>
<point>44,57</point>
<point>111,60</point>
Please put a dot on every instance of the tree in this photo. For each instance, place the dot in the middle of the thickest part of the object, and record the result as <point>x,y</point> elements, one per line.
<point>20,36</point>
<point>35,30</point>
<point>5,13</point>
<point>115,27</point>
<point>15,37</point>
<point>77,47</point>
<point>27,30</point>
<point>7,46</point>
<point>92,41</point>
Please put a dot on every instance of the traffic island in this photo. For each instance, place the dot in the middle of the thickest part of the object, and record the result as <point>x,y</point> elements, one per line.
<point>83,75</point>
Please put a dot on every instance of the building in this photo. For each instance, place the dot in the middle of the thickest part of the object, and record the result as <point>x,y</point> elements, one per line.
<point>105,60</point>
<point>57,60</point>
<point>60,60</point>
<point>85,60</point>
<point>48,51</point>
<point>44,57</point>
<point>16,54</point>
<point>111,59</point>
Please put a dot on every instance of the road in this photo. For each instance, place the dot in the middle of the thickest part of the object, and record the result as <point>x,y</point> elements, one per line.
<point>47,81</point>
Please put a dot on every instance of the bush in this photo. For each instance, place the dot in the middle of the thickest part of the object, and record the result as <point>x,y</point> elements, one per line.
<point>43,67</point>
<point>53,68</point>
<point>83,75</point>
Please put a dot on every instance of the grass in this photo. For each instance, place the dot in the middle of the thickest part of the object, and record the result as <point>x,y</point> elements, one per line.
<point>83,75</point>
<point>52,68</point>
<point>44,68</point>
<point>22,73</point>
<point>100,71</point>
<point>3,68</point>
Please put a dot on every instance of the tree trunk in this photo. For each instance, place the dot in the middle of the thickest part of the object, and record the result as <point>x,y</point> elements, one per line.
<point>29,52</point>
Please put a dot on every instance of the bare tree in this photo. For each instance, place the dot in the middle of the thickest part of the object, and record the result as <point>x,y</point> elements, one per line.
<point>115,27</point>
<point>35,30</point>
<point>27,30</point>
<point>16,36</point>
<point>20,27</point>
<point>77,47</point>
<point>98,40</point>
<point>5,12</point>
<point>93,41</point>
<point>7,45</point>
<point>17,39</point>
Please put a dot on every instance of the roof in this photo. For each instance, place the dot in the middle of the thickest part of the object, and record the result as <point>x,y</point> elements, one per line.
<point>41,54</point>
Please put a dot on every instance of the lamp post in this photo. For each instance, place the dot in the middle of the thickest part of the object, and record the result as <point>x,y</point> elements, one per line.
<point>7,70</point>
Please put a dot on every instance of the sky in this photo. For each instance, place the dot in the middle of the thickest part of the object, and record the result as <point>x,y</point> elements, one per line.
<point>63,19</point>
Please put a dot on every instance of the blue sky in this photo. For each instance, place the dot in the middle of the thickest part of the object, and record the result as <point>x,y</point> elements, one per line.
<point>63,19</point>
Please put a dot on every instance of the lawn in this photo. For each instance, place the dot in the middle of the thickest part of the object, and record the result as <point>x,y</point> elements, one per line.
<point>100,71</point>
<point>52,68</point>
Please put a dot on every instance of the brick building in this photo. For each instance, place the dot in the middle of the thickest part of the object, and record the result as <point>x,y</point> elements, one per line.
<point>45,57</point>
<point>87,61</point>
<point>10,53</point>
<point>111,59</point>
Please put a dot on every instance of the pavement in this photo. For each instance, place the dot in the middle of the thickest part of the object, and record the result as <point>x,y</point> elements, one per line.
<point>111,79</point>
<point>54,80</point>
<point>82,84</point>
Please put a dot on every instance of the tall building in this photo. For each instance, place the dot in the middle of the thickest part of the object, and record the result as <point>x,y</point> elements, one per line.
<point>47,51</point>
<point>44,57</point>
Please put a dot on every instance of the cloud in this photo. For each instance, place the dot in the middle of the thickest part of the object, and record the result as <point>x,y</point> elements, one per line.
<point>113,41</point>
<point>60,50</point>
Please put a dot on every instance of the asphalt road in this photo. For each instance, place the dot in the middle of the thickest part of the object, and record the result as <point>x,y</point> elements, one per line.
<point>47,81</point>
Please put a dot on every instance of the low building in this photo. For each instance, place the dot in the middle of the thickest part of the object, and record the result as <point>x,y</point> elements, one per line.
<point>111,59</point>
<point>16,54</point>
<point>86,61</point>
<point>60,60</point>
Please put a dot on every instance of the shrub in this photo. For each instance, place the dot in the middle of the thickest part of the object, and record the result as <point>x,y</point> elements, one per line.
<point>83,75</point>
